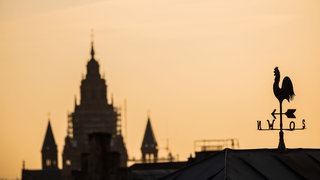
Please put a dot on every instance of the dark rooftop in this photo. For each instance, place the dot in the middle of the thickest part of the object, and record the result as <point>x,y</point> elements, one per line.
<point>254,164</point>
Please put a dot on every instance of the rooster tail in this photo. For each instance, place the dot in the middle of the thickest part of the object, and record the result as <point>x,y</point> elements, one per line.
<point>287,87</point>
<point>291,97</point>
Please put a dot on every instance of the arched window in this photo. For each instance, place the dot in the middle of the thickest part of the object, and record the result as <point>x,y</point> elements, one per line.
<point>68,162</point>
<point>48,162</point>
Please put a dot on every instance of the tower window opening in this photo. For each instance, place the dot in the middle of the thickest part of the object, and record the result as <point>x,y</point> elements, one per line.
<point>68,162</point>
<point>48,162</point>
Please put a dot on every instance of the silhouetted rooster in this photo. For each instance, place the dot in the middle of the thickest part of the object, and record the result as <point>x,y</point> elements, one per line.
<point>286,91</point>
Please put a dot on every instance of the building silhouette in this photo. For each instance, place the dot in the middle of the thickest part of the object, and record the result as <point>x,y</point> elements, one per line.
<point>93,115</point>
<point>100,163</point>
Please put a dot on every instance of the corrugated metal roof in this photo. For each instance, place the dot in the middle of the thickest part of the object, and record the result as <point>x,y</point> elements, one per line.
<point>254,164</point>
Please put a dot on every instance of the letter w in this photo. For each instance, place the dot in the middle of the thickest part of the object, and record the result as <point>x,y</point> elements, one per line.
<point>270,124</point>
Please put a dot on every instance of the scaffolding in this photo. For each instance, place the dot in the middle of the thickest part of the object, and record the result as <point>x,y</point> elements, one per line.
<point>215,144</point>
<point>69,126</point>
<point>119,120</point>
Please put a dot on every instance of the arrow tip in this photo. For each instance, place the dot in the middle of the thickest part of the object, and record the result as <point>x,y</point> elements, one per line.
<point>273,114</point>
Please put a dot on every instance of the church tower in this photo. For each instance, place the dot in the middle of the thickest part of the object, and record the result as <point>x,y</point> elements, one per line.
<point>94,114</point>
<point>149,147</point>
<point>49,150</point>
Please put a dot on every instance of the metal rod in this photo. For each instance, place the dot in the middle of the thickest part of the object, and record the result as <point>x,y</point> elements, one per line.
<point>281,146</point>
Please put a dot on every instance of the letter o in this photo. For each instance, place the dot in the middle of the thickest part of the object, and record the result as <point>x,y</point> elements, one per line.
<point>292,125</point>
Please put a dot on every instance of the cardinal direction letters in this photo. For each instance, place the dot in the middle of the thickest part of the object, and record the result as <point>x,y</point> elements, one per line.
<point>291,125</point>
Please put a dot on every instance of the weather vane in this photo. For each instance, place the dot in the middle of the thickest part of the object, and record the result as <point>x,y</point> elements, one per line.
<point>285,92</point>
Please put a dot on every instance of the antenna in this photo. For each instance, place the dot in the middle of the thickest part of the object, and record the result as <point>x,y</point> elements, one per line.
<point>125,120</point>
<point>23,164</point>
<point>111,98</point>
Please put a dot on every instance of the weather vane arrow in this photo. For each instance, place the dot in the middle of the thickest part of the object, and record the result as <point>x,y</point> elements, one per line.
<point>289,113</point>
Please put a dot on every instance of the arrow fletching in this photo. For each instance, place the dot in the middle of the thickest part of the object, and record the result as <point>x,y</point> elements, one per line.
<point>290,113</point>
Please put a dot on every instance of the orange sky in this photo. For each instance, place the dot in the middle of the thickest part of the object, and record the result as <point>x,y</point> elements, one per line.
<point>203,68</point>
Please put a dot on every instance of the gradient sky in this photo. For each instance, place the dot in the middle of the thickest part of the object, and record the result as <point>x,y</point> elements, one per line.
<point>203,68</point>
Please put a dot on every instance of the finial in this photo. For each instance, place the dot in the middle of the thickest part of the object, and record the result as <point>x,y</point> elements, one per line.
<point>111,98</point>
<point>148,113</point>
<point>75,100</point>
<point>23,165</point>
<point>49,116</point>
<point>92,49</point>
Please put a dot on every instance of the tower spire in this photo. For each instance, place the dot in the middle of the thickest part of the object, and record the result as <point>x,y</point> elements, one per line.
<point>149,144</point>
<point>75,101</point>
<point>92,48</point>
<point>49,150</point>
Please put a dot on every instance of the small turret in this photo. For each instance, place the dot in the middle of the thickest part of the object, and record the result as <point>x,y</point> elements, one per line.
<point>49,150</point>
<point>149,144</point>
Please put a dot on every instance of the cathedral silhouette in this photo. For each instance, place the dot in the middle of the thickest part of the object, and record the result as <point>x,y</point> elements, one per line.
<point>94,144</point>
<point>93,121</point>
<point>93,115</point>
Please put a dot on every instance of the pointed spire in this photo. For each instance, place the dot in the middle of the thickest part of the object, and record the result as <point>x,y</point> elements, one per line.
<point>93,65</point>
<point>49,144</point>
<point>149,143</point>
<point>92,48</point>
<point>149,140</point>
<point>112,99</point>
<point>49,150</point>
<point>75,101</point>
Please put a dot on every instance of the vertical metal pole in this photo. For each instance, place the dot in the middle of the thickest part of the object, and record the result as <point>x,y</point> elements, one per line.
<point>125,122</point>
<point>281,146</point>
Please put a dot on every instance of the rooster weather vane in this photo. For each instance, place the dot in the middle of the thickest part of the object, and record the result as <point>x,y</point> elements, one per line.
<point>285,92</point>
